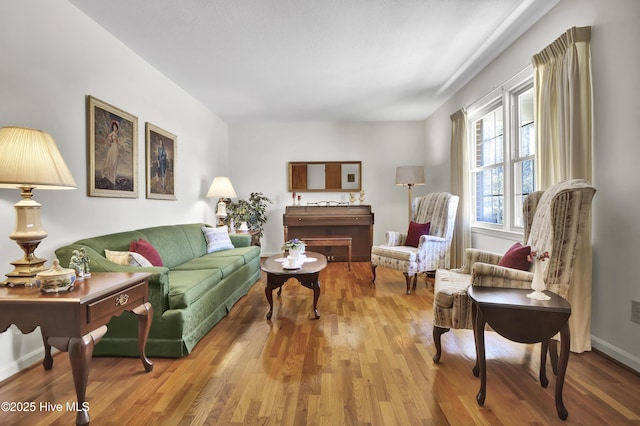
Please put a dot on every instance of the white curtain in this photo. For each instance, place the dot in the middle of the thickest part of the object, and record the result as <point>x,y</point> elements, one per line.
<point>562,81</point>
<point>460,186</point>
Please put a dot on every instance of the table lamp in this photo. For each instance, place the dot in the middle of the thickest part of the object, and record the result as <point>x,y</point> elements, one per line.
<point>222,188</point>
<point>409,176</point>
<point>30,159</point>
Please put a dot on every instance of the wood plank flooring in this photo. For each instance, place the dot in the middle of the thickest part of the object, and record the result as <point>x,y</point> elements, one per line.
<point>366,361</point>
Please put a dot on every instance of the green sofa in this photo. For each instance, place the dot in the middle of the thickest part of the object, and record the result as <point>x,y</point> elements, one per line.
<point>190,293</point>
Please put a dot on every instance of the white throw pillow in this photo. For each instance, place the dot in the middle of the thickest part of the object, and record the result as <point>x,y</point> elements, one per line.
<point>126,258</point>
<point>217,239</point>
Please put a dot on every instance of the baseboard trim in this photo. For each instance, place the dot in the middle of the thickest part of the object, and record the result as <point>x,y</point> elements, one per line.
<point>616,354</point>
<point>22,363</point>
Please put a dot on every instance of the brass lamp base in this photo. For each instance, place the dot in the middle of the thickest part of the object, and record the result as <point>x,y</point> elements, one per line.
<point>25,269</point>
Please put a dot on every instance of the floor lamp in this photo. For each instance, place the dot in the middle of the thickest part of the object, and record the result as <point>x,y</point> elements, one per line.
<point>30,159</point>
<point>409,176</point>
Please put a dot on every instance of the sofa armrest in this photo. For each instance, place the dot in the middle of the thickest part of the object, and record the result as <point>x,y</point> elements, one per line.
<point>240,240</point>
<point>158,282</point>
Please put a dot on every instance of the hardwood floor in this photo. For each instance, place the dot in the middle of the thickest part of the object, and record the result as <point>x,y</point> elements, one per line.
<point>367,360</point>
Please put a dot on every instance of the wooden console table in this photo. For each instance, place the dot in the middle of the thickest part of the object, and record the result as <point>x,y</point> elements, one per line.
<point>75,321</point>
<point>332,221</point>
<point>518,318</point>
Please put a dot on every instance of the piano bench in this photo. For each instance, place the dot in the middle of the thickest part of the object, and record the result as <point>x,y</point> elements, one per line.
<point>330,241</point>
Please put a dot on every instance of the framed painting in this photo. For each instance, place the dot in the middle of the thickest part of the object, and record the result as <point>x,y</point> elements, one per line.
<point>161,161</point>
<point>113,151</point>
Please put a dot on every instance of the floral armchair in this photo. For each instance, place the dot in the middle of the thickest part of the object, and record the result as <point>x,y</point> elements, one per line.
<point>438,209</point>
<point>554,220</point>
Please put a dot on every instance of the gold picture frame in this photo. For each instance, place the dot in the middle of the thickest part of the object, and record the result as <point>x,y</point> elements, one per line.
<point>160,163</point>
<point>112,152</point>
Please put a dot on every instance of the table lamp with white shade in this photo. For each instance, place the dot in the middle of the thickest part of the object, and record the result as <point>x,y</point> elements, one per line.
<point>221,187</point>
<point>410,176</point>
<point>30,159</point>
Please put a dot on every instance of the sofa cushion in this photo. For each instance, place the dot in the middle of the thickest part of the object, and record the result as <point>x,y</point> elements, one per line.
<point>146,249</point>
<point>217,238</point>
<point>247,253</point>
<point>186,286</point>
<point>227,265</point>
<point>405,253</point>
<point>127,258</point>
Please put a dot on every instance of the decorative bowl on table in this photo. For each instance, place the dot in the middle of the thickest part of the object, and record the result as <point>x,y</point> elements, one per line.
<point>56,279</point>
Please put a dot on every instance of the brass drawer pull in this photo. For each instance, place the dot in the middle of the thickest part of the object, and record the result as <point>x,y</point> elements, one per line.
<point>122,300</point>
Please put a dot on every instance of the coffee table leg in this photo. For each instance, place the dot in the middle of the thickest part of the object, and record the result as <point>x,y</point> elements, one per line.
<point>145,315</point>
<point>316,296</point>
<point>47,362</point>
<point>565,344</point>
<point>268,291</point>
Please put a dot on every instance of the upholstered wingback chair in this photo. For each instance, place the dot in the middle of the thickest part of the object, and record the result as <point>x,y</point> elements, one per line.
<point>554,221</point>
<point>438,209</point>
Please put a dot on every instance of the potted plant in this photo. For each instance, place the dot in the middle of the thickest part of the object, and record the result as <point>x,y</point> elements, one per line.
<point>294,246</point>
<point>253,211</point>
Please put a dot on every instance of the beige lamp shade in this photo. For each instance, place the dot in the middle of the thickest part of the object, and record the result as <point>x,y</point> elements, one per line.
<point>221,187</point>
<point>410,175</point>
<point>30,158</point>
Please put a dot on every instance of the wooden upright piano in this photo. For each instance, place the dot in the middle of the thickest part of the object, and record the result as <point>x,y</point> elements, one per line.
<point>319,221</point>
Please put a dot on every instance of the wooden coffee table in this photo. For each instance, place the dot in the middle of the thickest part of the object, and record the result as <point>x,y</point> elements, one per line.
<point>307,275</point>
<point>75,321</point>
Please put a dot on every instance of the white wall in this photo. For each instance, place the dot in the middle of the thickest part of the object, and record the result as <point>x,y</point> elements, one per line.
<point>51,57</point>
<point>259,153</point>
<point>615,60</point>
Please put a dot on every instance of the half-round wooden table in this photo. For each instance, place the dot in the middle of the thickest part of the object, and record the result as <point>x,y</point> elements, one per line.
<point>307,274</point>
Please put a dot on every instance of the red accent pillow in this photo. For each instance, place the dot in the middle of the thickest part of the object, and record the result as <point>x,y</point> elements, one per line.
<point>416,230</point>
<point>147,250</point>
<point>516,257</point>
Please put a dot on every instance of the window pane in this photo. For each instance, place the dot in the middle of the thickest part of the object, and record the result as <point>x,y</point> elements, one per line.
<point>489,203</point>
<point>526,145</point>
<point>489,138</point>
<point>523,179</point>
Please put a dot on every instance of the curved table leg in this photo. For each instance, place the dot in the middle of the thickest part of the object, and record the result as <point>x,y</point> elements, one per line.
<point>312,282</point>
<point>480,360</point>
<point>145,315</point>
<point>437,337</point>
<point>273,282</point>
<point>543,364</point>
<point>565,344</point>
<point>80,350</point>
<point>47,362</point>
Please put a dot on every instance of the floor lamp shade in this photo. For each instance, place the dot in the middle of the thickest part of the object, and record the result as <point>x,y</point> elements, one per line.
<point>409,176</point>
<point>221,187</point>
<point>30,159</point>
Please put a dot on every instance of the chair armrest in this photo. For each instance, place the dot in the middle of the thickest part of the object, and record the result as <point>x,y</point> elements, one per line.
<point>488,275</point>
<point>393,238</point>
<point>471,256</point>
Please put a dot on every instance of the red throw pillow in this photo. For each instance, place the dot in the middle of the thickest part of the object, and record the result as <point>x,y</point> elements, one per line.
<point>147,250</point>
<point>416,230</point>
<point>516,257</point>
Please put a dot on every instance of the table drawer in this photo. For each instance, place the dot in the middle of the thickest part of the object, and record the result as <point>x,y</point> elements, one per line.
<point>118,302</point>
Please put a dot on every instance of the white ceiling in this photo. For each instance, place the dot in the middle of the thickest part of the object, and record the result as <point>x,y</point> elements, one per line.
<point>318,60</point>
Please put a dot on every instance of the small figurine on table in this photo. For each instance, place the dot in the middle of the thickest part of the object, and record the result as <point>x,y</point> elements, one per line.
<point>85,262</point>
<point>77,264</point>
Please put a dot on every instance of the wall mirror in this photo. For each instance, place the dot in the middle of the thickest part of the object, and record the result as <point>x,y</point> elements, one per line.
<point>325,176</point>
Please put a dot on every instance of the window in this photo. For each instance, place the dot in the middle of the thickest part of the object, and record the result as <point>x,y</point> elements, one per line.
<point>502,139</point>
